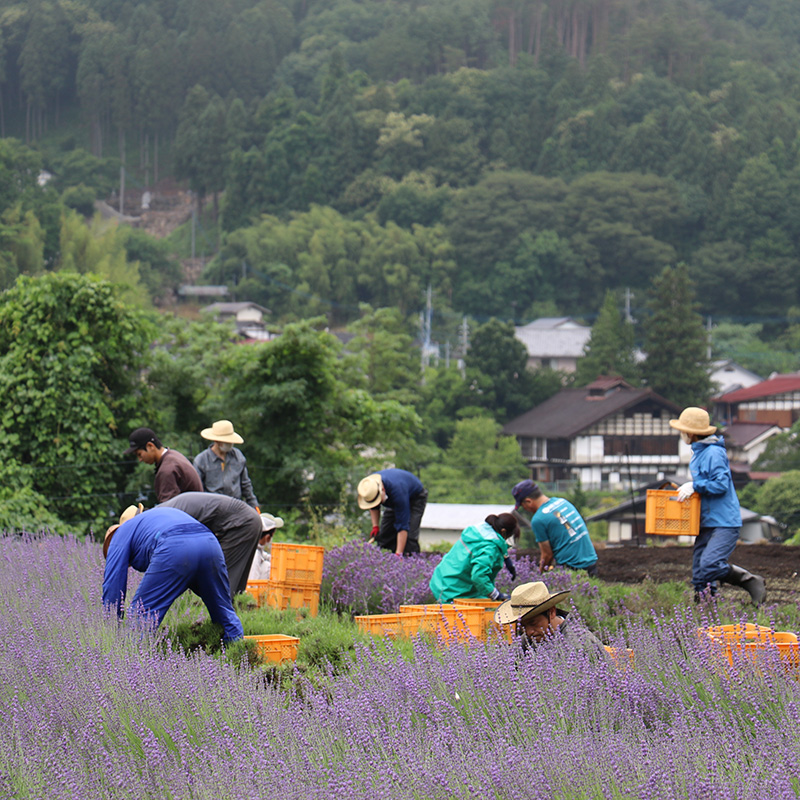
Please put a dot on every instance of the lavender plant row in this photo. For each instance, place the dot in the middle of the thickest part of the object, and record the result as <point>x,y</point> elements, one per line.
<point>89,709</point>
<point>364,579</point>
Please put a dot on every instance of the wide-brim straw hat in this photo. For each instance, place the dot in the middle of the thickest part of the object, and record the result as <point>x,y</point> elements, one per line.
<point>270,523</point>
<point>370,491</point>
<point>695,421</point>
<point>529,599</point>
<point>107,540</point>
<point>130,512</point>
<point>222,431</point>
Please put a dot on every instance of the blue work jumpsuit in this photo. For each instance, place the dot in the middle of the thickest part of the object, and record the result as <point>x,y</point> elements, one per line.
<point>175,553</point>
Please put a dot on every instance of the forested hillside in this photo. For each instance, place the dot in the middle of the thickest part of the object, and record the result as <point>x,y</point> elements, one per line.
<point>521,158</point>
<point>515,160</point>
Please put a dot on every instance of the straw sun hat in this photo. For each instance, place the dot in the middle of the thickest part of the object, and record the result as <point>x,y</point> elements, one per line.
<point>129,513</point>
<point>693,420</point>
<point>222,431</point>
<point>370,491</point>
<point>527,600</point>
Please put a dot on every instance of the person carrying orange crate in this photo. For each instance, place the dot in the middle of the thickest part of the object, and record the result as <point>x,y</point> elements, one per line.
<point>472,563</point>
<point>720,515</point>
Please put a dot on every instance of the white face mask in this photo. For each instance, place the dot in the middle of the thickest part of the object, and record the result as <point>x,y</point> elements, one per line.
<point>686,437</point>
<point>224,447</point>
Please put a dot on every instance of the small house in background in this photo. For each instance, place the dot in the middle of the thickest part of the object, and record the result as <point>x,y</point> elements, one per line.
<point>728,376</point>
<point>607,435</point>
<point>746,441</point>
<point>247,317</point>
<point>442,523</point>
<point>554,342</point>
<point>775,401</point>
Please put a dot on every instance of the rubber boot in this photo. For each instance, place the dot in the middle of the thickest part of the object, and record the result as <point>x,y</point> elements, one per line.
<point>754,585</point>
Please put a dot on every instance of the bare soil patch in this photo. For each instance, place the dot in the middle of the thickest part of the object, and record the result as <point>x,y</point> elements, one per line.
<point>779,564</point>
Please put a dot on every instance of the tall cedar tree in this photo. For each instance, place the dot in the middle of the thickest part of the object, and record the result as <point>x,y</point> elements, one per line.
<point>609,350</point>
<point>676,341</point>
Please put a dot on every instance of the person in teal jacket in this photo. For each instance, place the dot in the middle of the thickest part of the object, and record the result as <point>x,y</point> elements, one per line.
<point>472,564</point>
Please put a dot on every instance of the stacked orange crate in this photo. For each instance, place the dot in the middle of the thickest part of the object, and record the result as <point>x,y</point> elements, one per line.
<point>295,577</point>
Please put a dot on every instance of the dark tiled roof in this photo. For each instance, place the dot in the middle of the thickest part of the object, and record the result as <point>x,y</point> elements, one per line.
<point>740,433</point>
<point>571,411</point>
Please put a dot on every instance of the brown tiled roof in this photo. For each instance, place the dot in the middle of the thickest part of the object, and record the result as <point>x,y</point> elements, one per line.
<point>740,433</point>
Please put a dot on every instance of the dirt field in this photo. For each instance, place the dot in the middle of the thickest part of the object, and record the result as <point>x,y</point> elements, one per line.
<point>779,564</point>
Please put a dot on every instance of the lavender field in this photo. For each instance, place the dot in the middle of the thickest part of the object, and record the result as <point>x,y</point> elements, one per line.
<point>91,709</point>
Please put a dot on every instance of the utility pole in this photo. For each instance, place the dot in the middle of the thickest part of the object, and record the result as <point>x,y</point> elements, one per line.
<point>628,298</point>
<point>708,344</point>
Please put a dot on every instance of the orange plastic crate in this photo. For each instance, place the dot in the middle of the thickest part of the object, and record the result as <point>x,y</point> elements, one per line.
<point>291,595</point>
<point>296,563</point>
<point>621,656</point>
<point>665,516</point>
<point>491,630</point>
<point>756,643</point>
<point>257,589</point>
<point>450,622</point>
<point>391,625</point>
<point>275,647</point>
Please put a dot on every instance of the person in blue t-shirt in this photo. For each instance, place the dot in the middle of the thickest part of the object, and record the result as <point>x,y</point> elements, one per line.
<point>403,498</point>
<point>559,529</point>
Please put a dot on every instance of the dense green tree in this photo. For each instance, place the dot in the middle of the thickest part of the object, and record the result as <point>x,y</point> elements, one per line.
<point>780,497</point>
<point>494,352</point>
<point>610,349</point>
<point>675,340</point>
<point>70,354</point>
<point>746,345</point>
<point>200,144</point>
<point>304,427</point>
<point>381,356</point>
<point>479,466</point>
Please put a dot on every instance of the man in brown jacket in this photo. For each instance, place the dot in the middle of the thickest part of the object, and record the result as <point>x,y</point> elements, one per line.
<point>174,472</point>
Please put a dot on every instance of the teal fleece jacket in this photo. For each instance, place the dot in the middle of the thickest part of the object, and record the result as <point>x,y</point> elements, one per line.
<point>471,565</point>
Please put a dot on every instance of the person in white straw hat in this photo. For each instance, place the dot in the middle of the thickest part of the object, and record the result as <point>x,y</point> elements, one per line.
<point>533,606</point>
<point>222,467</point>
<point>403,498</point>
<point>720,515</point>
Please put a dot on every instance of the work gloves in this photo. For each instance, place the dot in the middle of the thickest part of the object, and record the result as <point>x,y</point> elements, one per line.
<point>685,491</point>
<point>498,595</point>
<point>374,535</point>
<point>512,570</point>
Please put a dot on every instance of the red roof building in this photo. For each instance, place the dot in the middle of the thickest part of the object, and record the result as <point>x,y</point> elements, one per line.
<point>775,401</point>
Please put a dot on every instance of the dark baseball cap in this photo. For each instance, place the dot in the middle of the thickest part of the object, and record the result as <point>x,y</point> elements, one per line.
<point>522,490</point>
<point>139,438</point>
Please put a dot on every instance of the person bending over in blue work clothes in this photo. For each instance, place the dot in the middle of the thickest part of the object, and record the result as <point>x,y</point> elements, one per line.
<point>175,553</point>
<point>559,529</point>
<point>403,498</point>
<point>472,563</point>
<point>720,515</point>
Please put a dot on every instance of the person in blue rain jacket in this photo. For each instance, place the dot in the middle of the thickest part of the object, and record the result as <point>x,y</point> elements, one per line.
<point>175,552</point>
<point>720,515</point>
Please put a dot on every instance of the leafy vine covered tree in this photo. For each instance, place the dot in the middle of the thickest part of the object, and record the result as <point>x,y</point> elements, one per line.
<point>70,356</point>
